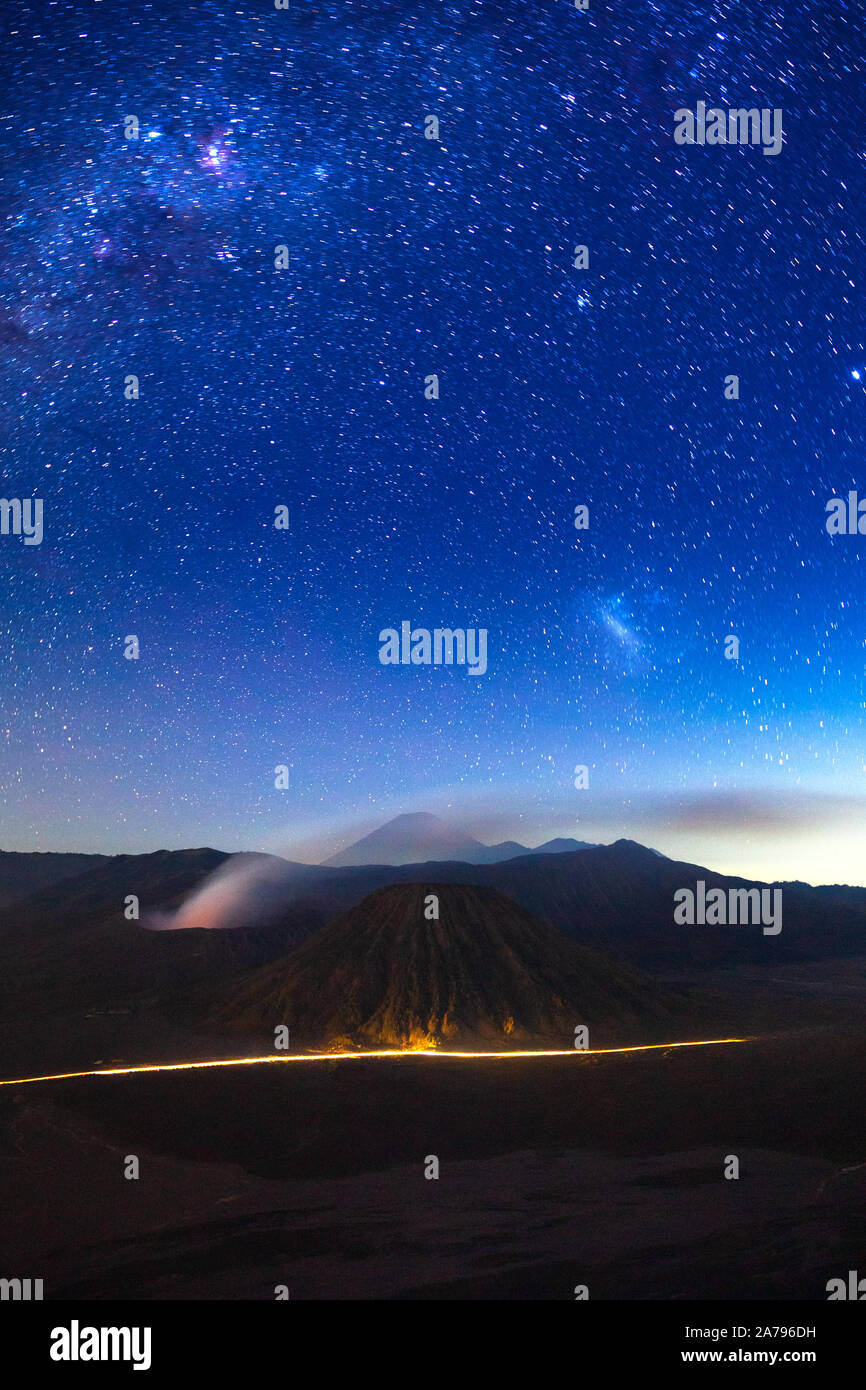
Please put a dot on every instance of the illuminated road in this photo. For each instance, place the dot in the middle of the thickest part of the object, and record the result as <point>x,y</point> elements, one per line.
<point>362,1056</point>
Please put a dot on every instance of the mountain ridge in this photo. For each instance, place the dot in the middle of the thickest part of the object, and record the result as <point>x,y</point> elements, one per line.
<point>615,898</point>
<point>421,837</point>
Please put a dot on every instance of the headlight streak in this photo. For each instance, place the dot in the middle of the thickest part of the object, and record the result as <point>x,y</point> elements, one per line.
<point>366,1055</point>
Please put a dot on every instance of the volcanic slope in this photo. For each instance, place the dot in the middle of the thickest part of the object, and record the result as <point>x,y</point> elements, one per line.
<point>486,972</point>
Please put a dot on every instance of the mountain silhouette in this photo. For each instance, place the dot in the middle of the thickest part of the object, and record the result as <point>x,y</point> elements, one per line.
<point>420,837</point>
<point>616,898</point>
<point>619,899</point>
<point>485,971</point>
<point>408,839</point>
<point>24,873</point>
<point>510,849</point>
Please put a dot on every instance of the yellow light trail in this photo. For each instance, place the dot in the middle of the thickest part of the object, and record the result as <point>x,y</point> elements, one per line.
<point>363,1056</point>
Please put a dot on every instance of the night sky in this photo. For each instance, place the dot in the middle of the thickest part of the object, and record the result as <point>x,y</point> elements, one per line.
<point>305,388</point>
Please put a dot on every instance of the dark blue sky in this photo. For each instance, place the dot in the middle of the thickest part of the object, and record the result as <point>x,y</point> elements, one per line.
<point>305,387</point>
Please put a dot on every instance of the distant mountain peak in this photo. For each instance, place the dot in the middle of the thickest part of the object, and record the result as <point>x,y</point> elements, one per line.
<point>415,837</point>
<point>635,849</point>
<point>419,837</point>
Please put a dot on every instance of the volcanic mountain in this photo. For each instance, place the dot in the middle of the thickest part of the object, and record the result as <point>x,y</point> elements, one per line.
<point>420,838</point>
<point>409,839</point>
<point>70,946</point>
<point>484,972</point>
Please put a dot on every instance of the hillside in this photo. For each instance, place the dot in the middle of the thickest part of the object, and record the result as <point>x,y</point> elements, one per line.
<point>486,972</point>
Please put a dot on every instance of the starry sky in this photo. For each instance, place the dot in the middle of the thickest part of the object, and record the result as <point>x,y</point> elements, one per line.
<point>304,387</point>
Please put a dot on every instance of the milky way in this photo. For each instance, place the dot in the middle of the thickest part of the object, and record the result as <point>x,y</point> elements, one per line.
<point>305,387</point>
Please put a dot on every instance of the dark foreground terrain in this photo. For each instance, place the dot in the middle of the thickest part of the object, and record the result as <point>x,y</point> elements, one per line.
<point>597,1170</point>
<point>605,1171</point>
